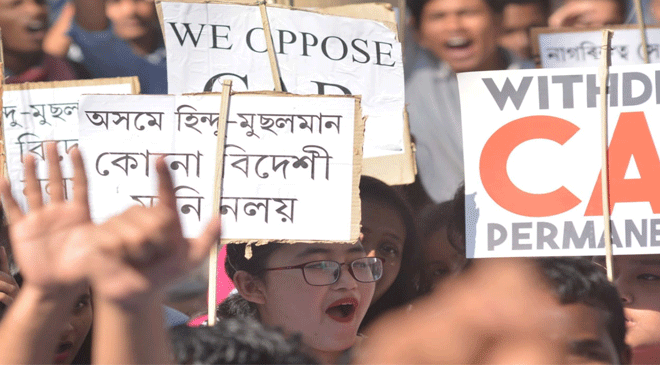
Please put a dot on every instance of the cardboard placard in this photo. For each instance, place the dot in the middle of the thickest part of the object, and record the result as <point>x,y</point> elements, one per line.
<point>532,161</point>
<point>34,113</point>
<point>284,158</point>
<point>226,40</point>
<point>570,47</point>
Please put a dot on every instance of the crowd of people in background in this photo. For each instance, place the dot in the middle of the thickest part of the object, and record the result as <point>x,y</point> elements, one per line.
<point>75,292</point>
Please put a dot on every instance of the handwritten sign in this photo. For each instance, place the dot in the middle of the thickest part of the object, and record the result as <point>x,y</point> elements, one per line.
<point>284,158</point>
<point>316,53</point>
<point>33,113</point>
<point>532,161</point>
<point>570,48</point>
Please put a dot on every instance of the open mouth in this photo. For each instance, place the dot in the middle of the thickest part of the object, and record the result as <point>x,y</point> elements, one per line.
<point>458,43</point>
<point>36,26</point>
<point>63,351</point>
<point>343,310</point>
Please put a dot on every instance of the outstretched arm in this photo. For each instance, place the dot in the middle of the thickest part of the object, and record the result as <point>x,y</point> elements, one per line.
<point>51,258</point>
<point>139,253</point>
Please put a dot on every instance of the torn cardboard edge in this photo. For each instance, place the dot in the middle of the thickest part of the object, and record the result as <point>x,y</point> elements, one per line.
<point>377,12</point>
<point>133,80</point>
<point>395,169</point>
<point>358,141</point>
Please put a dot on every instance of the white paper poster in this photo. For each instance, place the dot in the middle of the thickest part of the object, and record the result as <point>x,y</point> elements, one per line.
<point>316,53</point>
<point>289,168</point>
<point>533,161</point>
<point>33,115</point>
<point>583,49</point>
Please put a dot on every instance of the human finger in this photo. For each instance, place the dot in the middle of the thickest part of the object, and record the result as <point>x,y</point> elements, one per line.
<point>8,285</point>
<point>140,235</point>
<point>80,185</point>
<point>200,247</point>
<point>56,187</point>
<point>165,185</point>
<point>6,299</point>
<point>4,260</point>
<point>9,204</point>
<point>32,185</point>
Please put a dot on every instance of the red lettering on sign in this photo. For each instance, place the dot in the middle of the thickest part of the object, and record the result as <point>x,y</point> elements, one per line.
<point>495,155</point>
<point>631,137</point>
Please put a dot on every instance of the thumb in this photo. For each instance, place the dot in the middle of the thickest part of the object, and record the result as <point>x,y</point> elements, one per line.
<point>200,247</point>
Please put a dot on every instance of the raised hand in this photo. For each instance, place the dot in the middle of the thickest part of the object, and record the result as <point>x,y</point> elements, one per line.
<point>143,249</point>
<point>138,253</point>
<point>49,247</point>
<point>46,240</point>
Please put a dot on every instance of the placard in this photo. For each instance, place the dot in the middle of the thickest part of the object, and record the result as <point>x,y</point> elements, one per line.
<point>34,113</point>
<point>570,47</point>
<point>316,53</point>
<point>532,161</point>
<point>291,163</point>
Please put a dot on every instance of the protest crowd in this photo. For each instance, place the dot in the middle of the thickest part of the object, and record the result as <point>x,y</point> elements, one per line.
<point>408,291</point>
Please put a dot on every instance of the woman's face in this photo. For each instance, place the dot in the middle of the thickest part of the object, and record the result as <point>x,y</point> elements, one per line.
<point>75,329</point>
<point>440,258</point>
<point>384,237</point>
<point>327,316</point>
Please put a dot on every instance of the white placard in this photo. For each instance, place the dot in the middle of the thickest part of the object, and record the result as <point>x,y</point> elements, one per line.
<point>33,114</point>
<point>532,161</point>
<point>316,53</point>
<point>285,158</point>
<point>582,49</point>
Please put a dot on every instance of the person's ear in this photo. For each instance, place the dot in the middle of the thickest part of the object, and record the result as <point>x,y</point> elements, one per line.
<point>250,287</point>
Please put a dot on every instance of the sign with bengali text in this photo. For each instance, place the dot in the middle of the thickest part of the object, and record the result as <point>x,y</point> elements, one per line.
<point>34,113</point>
<point>290,165</point>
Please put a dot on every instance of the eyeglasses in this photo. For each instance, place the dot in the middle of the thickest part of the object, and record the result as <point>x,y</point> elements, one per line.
<point>327,272</point>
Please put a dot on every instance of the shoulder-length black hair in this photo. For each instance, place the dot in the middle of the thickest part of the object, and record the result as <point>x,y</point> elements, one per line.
<point>406,286</point>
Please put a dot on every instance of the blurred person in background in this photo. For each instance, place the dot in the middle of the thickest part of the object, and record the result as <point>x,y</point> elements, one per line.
<point>24,24</point>
<point>458,36</point>
<point>520,16</point>
<point>121,38</point>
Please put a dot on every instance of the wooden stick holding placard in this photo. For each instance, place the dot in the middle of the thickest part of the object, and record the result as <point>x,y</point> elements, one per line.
<point>274,68</point>
<point>604,73</point>
<point>219,165</point>
<point>642,29</point>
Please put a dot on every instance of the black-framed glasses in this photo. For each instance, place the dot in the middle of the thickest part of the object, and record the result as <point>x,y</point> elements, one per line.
<point>327,272</point>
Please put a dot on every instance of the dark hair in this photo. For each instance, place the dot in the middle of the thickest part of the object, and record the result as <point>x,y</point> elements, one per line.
<point>456,226</point>
<point>578,280</point>
<point>236,341</point>
<point>235,259</point>
<point>416,8</point>
<point>235,306</point>
<point>434,218</point>
<point>543,4</point>
<point>405,286</point>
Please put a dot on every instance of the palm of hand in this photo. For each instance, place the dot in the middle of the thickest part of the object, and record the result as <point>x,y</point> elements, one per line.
<point>47,245</point>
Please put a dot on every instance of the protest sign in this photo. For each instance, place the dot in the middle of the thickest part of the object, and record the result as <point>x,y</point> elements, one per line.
<point>570,47</point>
<point>316,53</point>
<point>34,113</point>
<point>291,163</point>
<point>532,161</point>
